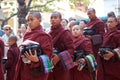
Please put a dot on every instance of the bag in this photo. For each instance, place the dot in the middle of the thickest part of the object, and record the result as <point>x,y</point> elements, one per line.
<point>96,39</point>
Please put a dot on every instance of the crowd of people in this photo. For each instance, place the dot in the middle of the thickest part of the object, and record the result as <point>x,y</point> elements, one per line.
<point>70,51</point>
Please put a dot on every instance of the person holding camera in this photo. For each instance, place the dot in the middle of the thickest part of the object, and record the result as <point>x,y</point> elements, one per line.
<point>63,44</point>
<point>1,55</point>
<point>13,55</point>
<point>83,47</point>
<point>109,62</point>
<point>31,64</point>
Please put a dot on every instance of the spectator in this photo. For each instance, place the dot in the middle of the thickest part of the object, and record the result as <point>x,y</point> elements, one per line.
<point>64,23</point>
<point>22,32</point>
<point>82,24</point>
<point>8,32</point>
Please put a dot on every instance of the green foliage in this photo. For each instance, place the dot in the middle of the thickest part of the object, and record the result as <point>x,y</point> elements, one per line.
<point>5,3</point>
<point>46,7</point>
<point>85,2</point>
<point>11,3</point>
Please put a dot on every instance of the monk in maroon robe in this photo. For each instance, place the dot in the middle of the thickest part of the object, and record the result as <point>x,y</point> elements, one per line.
<point>109,63</point>
<point>84,44</point>
<point>1,55</point>
<point>62,41</point>
<point>118,26</point>
<point>32,71</point>
<point>97,25</point>
<point>12,57</point>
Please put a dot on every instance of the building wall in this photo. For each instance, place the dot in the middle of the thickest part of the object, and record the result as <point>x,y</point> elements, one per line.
<point>98,5</point>
<point>110,5</point>
<point>7,8</point>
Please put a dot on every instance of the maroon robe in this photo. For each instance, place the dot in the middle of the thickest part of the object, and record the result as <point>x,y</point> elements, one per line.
<point>13,56</point>
<point>118,26</point>
<point>110,69</point>
<point>98,25</point>
<point>1,55</point>
<point>82,43</point>
<point>62,40</point>
<point>32,71</point>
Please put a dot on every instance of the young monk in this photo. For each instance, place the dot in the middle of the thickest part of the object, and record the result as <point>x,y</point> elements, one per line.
<point>1,55</point>
<point>12,57</point>
<point>63,43</point>
<point>81,43</point>
<point>109,62</point>
<point>33,69</point>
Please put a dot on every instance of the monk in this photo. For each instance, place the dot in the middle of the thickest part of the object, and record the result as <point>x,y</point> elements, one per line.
<point>97,25</point>
<point>118,19</point>
<point>12,57</point>
<point>71,24</point>
<point>1,55</point>
<point>109,63</point>
<point>62,41</point>
<point>84,44</point>
<point>112,14</point>
<point>31,69</point>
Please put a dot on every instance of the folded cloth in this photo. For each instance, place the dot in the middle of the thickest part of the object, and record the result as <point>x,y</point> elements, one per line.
<point>66,59</point>
<point>117,50</point>
<point>47,64</point>
<point>92,62</point>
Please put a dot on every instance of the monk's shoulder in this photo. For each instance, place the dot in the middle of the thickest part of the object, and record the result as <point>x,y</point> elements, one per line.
<point>117,34</point>
<point>44,35</point>
<point>66,33</point>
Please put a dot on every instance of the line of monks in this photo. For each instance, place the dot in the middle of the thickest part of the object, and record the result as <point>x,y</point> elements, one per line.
<point>66,42</point>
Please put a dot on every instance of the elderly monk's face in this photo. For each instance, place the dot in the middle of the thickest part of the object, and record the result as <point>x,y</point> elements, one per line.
<point>55,19</point>
<point>33,21</point>
<point>91,14</point>
<point>111,23</point>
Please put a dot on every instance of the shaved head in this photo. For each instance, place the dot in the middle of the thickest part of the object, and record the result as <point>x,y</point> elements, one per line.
<point>91,13</point>
<point>92,9</point>
<point>35,13</point>
<point>13,38</point>
<point>58,13</point>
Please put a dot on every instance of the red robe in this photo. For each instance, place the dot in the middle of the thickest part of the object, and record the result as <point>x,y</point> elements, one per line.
<point>28,71</point>
<point>62,42</point>
<point>98,25</point>
<point>13,56</point>
<point>1,55</point>
<point>82,43</point>
<point>110,70</point>
<point>118,26</point>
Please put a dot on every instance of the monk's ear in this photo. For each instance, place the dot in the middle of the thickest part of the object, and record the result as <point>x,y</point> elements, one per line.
<point>39,19</point>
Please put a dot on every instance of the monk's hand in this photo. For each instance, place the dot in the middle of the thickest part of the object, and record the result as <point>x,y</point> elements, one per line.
<point>88,36</point>
<point>81,63</point>
<point>32,57</point>
<point>108,55</point>
<point>55,59</point>
<point>82,60</point>
<point>100,54</point>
